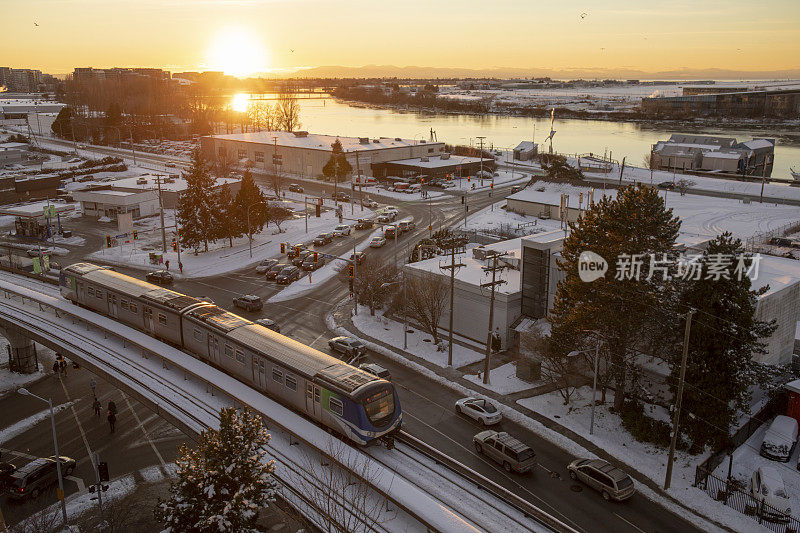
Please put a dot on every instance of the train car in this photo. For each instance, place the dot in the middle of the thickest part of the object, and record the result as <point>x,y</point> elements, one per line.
<point>349,401</point>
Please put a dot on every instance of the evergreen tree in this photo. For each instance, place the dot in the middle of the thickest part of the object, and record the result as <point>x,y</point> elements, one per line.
<point>724,336</point>
<point>223,483</point>
<point>337,167</point>
<point>62,125</point>
<point>197,207</point>
<point>620,310</point>
<point>227,211</point>
<point>250,201</point>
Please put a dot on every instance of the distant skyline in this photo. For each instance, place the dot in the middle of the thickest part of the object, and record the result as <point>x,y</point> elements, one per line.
<point>612,38</point>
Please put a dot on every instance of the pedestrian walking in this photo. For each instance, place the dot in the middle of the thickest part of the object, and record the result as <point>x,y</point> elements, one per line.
<point>112,407</point>
<point>166,264</point>
<point>96,406</point>
<point>93,385</point>
<point>63,366</point>
<point>112,420</point>
<point>56,368</point>
<point>180,267</point>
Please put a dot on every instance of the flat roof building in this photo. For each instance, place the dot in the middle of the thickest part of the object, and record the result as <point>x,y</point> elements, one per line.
<point>110,201</point>
<point>433,166</point>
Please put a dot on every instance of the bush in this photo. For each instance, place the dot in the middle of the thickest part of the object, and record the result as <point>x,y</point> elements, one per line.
<point>647,429</point>
<point>18,138</point>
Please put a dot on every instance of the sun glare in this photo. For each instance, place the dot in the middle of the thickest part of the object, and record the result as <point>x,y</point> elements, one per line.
<point>240,102</point>
<point>238,52</point>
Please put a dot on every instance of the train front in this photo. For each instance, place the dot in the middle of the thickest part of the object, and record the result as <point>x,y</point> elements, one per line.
<point>381,415</point>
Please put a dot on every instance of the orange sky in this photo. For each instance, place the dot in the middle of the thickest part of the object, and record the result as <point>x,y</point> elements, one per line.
<point>245,36</point>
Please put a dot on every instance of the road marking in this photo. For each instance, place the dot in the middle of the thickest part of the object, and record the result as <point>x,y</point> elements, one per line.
<point>77,420</point>
<point>20,454</point>
<point>634,526</point>
<point>78,481</point>
<point>315,340</point>
<point>146,435</point>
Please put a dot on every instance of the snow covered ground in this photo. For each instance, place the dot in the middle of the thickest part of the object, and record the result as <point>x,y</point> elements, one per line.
<point>502,380</point>
<point>496,220</point>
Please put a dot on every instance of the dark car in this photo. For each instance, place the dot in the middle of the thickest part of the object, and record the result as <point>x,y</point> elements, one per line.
<point>288,275</point>
<point>6,471</point>
<point>348,346</point>
<point>363,223</point>
<point>358,257</point>
<point>293,250</point>
<point>296,188</point>
<point>668,185</point>
<point>376,370</point>
<point>341,196</point>
<point>162,277</point>
<point>780,241</point>
<point>272,273</point>
<point>248,302</point>
<point>322,239</point>
<point>37,476</point>
<point>310,265</point>
<point>269,324</point>
<point>298,259</point>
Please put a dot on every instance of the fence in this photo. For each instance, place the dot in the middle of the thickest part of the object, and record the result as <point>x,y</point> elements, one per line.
<point>752,243</point>
<point>730,493</point>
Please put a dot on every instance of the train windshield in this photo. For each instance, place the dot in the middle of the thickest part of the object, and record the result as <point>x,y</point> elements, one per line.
<point>379,405</point>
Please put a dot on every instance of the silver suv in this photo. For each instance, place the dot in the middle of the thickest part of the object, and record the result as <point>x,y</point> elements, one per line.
<point>613,483</point>
<point>514,455</point>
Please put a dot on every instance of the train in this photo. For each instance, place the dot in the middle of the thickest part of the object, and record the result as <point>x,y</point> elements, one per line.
<point>340,397</point>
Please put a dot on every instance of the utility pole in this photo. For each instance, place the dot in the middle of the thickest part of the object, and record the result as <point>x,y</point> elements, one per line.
<point>452,267</point>
<point>177,238</point>
<point>677,418</point>
<point>763,178</point>
<point>621,171</point>
<point>161,208</point>
<point>481,137</point>
<point>360,181</point>
<point>493,269</point>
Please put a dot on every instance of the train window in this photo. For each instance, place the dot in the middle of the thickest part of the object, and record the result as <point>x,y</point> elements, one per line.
<point>228,350</point>
<point>240,356</point>
<point>316,395</point>
<point>162,319</point>
<point>309,391</point>
<point>133,308</point>
<point>336,406</point>
<point>277,375</point>
<point>197,334</point>
<point>124,303</point>
<point>98,293</point>
<point>291,382</point>
<point>90,291</point>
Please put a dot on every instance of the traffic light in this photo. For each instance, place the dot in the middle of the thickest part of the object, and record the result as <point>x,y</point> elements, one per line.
<point>102,469</point>
<point>491,185</point>
<point>296,250</point>
<point>135,235</point>
<point>283,248</point>
<point>108,241</point>
<point>174,246</point>
<point>352,271</point>
<point>318,211</point>
<point>316,257</point>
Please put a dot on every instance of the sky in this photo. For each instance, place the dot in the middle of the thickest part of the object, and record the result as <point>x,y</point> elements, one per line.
<point>246,36</point>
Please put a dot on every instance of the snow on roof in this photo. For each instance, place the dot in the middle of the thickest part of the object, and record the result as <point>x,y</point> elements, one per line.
<point>177,186</point>
<point>723,155</point>
<point>759,143</point>
<point>776,272</point>
<point>437,161</point>
<point>35,209</point>
<point>526,145</point>
<point>793,386</point>
<point>13,146</point>
<point>316,141</point>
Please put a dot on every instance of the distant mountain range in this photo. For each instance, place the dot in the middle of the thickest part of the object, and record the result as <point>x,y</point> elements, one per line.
<point>392,71</point>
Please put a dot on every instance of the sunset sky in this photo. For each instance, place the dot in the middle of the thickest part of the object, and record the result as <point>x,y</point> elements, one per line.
<point>247,36</point>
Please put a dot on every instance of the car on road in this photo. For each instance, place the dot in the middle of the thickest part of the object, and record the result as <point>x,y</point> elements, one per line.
<point>37,476</point>
<point>388,216</point>
<point>390,232</point>
<point>668,185</point>
<point>341,196</point>
<point>342,230</point>
<point>248,302</point>
<point>86,178</point>
<point>376,370</point>
<point>348,346</point>
<point>610,481</point>
<point>358,257</point>
<point>369,202</point>
<point>514,455</point>
<point>268,323</point>
<point>405,225</point>
<point>377,242</point>
<point>293,250</point>
<point>516,188</point>
<point>265,265</point>
<point>288,275</point>
<point>82,146</point>
<point>296,188</point>
<point>6,471</point>
<point>769,493</point>
<point>170,164</point>
<point>363,223</point>
<point>297,260</point>
<point>309,264</point>
<point>161,277</point>
<point>323,239</point>
<point>391,209</point>
<point>272,273</point>
<point>480,410</point>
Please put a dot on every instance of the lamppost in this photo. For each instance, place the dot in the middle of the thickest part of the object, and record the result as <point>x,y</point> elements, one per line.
<point>49,402</point>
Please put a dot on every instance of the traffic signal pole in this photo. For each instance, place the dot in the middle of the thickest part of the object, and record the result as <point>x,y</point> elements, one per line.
<point>161,208</point>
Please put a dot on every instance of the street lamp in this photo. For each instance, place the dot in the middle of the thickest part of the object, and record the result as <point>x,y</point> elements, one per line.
<point>405,303</point>
<point>49,402</point>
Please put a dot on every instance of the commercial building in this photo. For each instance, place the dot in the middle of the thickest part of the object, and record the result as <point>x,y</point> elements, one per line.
<point>86,74</point>
<point>714,155</point>
<point>303,154</point>
<point>171,186</point>
<point>111,201</point>
<point>37,220</point>
<point>434,166</point>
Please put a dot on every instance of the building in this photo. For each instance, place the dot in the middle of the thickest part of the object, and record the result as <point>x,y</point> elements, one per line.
<point>701,153</point>
<point>303,154</point>
<point>526,150</point>
<point>15,189</point>
<point>21,109</point>
<point>20,80</point>
<point>435,166</point>
<point>171,186</point>
<point>779,103</point>
<point>12,153</point>
<point>111,200</point>
<point>87,74</point>
<point>37,220</point>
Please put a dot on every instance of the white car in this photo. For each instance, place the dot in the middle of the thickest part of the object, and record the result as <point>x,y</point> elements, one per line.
<point>780,439</point>
<point>389,216</point>
<point>391,209</point>
<point>377,242</point>
<point>769,492</point>
<point>342,230</point>
<point>480,410</point>
<point>369,202</point>
<point>265,265</point>
<point>448,185</point>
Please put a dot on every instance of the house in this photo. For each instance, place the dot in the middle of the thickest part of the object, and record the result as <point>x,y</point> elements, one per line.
<point>526,150</point>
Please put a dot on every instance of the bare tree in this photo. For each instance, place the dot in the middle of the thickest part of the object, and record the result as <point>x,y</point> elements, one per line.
<point>289,108</point>
<point>47,520</point>
<point>372,281</point>
<point>683,185</point>
<point>340,492</point>
<point>224,163</point>
<point>278,215</point>
<point>556,369</point>
<point>424,299</point>
<point>649,162</point>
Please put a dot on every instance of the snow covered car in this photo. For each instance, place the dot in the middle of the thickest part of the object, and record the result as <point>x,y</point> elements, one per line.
<point>780,439</point>
<point>268,323</point>
<point>480,410</point>
<point>265,265</point>
<point>769,492</point>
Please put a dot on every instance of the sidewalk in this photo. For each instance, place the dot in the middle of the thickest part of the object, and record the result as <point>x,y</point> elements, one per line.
<point>340,321</point>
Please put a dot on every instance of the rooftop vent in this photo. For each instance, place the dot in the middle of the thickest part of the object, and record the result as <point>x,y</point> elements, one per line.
<point>398,139</point>
<point>424,159</point>
<point>300,133</point>
<point>445,156</point>
<point>376,141</point>
<point>422,141</point>
<point>363,140</point>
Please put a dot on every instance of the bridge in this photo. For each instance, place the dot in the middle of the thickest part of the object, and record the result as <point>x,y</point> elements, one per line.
<point>336,486</point>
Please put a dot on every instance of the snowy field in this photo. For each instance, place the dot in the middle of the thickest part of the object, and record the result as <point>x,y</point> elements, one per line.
<point>496,220</point>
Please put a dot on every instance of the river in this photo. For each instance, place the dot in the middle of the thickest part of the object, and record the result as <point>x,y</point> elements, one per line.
<point>622,139</point>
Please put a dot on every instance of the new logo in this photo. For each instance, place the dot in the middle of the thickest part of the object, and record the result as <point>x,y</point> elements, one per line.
<point>591,266</point>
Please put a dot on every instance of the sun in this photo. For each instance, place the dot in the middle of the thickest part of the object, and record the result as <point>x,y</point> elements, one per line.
<point>238,52</point>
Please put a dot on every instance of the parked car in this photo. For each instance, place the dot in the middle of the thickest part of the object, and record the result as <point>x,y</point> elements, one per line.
<point>37,476</point>
<point>484,174</point>
<point>611,482</point>
<point>323,239</point>
<point>514,455</point>
<point>310,265</point>
<point>377,242</point>
<point>87,177</point>
<point>272,273</point>
<point>296,188</point>
<point>769,492</point>
<point>376,370</point>
<point>341,196</point>
<point>782,241</point>
<point>480,410</point>
<point>248,302</point>
<point>363,223</point>
<point>161,277</point>
<point>358,257</point>
<point>405,225</point>
<point>390,232</point>
<point>668,185</point>
<point>298,259</point>
<point>780,439</point>
<point>400,187</point>
<point>386,217</point>
<point>348,346</point>
<point>6,471</point>
<point>342,230</point>
<point>288,275</point>
<point>265,265</point>
<point>268,323</point>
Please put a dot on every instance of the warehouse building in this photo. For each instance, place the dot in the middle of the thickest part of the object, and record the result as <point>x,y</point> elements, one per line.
<point>303,154</point>
<point>702,153</point>
<point>435,166</point>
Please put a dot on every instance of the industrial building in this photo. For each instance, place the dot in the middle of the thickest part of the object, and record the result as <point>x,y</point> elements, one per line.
<point>779,103</point>
<point>111,201</point>
<point>702,153</point>
<point>302,154</point>
<point>526,150</point>
<point>171,186</point>
<point>435,166</point>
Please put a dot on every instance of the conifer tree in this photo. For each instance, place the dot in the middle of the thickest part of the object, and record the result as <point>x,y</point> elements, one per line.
<point>223,483</point>
<point>250,201</point>
<point>337,167</point>
<point>227,212</point>
<point>197,206</point>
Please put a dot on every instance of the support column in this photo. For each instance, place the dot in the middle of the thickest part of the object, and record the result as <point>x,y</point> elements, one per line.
<point>21,351</point>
